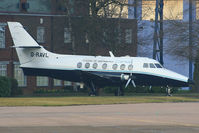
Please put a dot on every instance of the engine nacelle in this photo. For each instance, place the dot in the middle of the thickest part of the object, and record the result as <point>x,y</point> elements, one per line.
<point>124,77</point>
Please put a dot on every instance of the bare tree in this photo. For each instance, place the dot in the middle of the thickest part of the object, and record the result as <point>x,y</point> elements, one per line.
<point>177,34</point>
<point>69,6</point>
<point>176,38</point>
<point>100,28</point>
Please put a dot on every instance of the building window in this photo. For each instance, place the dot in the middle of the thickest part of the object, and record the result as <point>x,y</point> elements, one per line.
<point>67,83</point>
<point>42,81</point>
<point>173,9</point>
<point>128,36</point>
<point>39,6</point>
<point>3,70</point>
<point>67,35</point>
<point>2,37</point>
<point>40,34</point>
<point>104,37</point>
<point>9,5</point>
<point>197,9</point>
<point>119,37</point>
<point>19,76</point>
<point>57,82</point>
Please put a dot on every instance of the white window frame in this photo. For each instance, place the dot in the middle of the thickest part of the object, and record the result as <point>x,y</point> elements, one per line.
<point>3,68</point>
<point>128,36</point>
<point>40,34</point>
<point>2,36</point>
<point>67,35</point>
<point>42,81</point>
<point>19,75</point>
<point>57,82</point>
<point>67,83</point>
<point>119,35</point>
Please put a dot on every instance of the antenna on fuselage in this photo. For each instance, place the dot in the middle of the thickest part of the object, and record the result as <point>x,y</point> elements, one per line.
<point>111,54</point>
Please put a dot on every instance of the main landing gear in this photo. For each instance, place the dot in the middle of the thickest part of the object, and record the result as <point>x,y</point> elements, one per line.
<point>92,87</point>
<point>119,91</point>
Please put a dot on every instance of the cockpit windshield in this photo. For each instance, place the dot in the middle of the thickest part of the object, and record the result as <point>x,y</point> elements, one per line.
<point>152,65</point>
<point>158,65</point>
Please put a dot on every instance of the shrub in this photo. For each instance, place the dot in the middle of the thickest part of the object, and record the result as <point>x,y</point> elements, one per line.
<point>5,87</point>
<point>110,89</point>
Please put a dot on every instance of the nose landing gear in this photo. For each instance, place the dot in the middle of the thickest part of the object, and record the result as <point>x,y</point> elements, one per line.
<point>168,91</point>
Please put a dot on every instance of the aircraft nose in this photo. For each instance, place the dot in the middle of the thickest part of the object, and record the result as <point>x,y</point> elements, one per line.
<point>190,82</point>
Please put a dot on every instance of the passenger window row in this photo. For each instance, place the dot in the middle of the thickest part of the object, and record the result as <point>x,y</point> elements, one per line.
<point>104,66</point>
<point>151,65</point>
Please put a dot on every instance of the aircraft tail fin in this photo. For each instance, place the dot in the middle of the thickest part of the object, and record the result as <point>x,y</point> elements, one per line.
<point>23,42</point>
<point>20,36</point>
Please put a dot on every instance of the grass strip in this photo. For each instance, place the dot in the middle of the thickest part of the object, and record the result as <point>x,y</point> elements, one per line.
<point>69,101</point>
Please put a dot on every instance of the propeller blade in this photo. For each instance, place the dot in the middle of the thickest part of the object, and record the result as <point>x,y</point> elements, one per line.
<point>133,82</point>
<point>129,80</point>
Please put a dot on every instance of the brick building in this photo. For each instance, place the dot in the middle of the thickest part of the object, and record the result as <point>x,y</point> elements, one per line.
<point>47,22</point>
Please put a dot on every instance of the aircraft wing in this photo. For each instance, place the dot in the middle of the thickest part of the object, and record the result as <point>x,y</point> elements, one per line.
<point>99,77</point>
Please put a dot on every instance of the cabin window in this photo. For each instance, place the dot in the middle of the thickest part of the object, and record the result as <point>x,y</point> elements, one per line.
<point>152,65</point>
<point>122,67</point>
<point>104,66</point>
<point>79,65</point>
<point>158,65</point>
<point>114,66</point>
<point>87,65</point>
<point>145,65</point>
<point>130,67</point>
<point>95,65</point>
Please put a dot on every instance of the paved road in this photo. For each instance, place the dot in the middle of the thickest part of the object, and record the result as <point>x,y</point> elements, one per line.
<point>125,118</point>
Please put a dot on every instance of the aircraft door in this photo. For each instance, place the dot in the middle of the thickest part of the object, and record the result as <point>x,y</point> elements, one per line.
<point>130,66</point>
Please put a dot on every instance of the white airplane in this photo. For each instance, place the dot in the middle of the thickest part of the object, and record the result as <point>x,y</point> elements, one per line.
<point>93,71</point>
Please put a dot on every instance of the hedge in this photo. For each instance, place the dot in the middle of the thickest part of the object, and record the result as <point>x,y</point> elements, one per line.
<point>5,87</point>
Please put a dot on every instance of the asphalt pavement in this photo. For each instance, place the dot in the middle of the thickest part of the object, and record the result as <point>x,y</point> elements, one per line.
<point>119,118</point>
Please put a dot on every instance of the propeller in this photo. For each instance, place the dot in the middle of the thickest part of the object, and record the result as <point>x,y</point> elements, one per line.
<point>130,80</point>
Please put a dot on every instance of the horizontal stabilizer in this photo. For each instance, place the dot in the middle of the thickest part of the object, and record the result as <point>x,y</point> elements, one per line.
<point>27,46</point>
